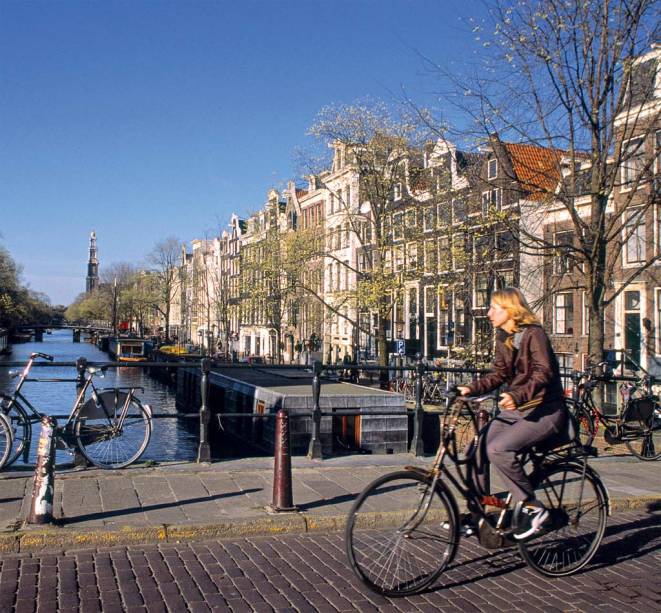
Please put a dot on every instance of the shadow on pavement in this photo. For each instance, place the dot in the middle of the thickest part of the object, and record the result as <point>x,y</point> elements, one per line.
<point>153,507</point>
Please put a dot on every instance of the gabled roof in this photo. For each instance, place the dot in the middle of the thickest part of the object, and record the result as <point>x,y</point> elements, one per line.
<point>537,169</point>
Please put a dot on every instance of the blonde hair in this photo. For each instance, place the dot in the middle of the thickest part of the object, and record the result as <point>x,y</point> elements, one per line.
<point>517,307</point>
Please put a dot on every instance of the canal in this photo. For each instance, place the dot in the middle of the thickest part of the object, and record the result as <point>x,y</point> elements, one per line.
<point>172,439</point>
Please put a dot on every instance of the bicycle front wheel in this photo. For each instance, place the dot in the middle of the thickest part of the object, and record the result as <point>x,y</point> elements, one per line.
<point>5,440</point>
<point>111,434</point>
<point>401,535</point>
<point>578,508</point>
<point>587,425</point>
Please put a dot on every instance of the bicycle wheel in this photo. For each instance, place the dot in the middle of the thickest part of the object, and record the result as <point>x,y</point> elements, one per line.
<point>102,439</point>
<point>400,535</point>
<point>587,428</point>
<point>21,428</point>
<point>648,446</point>
<point>5,440</point>
<point>578,510</point>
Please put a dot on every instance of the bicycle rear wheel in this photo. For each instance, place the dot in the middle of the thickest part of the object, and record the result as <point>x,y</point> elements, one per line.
<point>578,510</point>
<point>648,446</point>
<point>21,428</point>
<point>400,535</point>
<point>5,440</point>
<point>102,439</point>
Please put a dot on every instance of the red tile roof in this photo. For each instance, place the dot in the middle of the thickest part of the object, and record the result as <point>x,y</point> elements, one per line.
<point>537,168</point>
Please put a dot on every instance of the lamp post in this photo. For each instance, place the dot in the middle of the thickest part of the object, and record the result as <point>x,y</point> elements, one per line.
<point>200,336</point>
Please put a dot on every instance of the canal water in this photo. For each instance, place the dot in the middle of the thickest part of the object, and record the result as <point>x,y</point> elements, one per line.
<point>171,439</point>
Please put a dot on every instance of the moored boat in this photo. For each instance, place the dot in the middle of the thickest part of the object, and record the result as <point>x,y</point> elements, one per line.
<point>128,349</point>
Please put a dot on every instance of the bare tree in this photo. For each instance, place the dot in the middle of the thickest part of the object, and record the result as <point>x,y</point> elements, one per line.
<point>564,76</point>
<point>164,260</point>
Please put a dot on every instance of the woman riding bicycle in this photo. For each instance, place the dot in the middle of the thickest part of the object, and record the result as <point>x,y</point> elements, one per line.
<point>532,405</point>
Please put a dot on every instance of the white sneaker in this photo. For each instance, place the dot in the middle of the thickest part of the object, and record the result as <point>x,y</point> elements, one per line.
<point>536,515</point>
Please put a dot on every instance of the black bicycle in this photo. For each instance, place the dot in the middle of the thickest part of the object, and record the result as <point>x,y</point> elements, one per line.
<point>111,427</point>
<point>404,529</point>
<point>638,422</point>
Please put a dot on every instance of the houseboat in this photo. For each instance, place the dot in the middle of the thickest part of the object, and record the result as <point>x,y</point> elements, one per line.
<point>129,349</point>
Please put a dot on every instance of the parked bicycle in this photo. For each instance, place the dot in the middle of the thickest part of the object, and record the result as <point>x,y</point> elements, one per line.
<point>404,529</point>
<point>110,427</point>
<point>637,424</point>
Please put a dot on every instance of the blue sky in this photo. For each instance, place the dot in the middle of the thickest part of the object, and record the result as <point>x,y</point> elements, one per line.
<point>144,120</point>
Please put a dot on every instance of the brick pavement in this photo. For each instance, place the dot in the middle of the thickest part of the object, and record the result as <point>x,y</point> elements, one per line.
<point>308,572</point>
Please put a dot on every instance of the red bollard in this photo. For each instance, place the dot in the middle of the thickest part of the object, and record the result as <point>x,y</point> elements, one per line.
<point>43,488</point>
<point>282,490</point>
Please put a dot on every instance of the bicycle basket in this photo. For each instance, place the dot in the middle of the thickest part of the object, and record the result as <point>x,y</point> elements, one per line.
<point>639,410</point>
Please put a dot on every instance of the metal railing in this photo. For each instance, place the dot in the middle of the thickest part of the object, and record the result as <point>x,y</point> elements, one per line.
<point>447,376</point>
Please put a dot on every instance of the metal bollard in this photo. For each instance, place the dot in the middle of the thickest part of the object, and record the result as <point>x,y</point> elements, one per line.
<point>314,450</point>
<point>43,488</point>
<point>417,444</point>
<point>282,489</point>
<point>204,449</point>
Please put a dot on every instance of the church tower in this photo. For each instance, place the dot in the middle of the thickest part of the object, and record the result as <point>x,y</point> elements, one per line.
<point>92,266</point>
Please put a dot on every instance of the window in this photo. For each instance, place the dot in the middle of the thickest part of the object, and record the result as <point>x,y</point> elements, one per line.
<point>444,214</point>
<point>565,362</point>
<point>412,314</point>
<point>410,218</point>
<point>632,161</point>
<point>444,262</point>
<point>562,260</point>
<point>428,219</point>
<point>490,200</point>
<point>412,255</point>
<point>481,291</point>
<point>458,251</point>
<point>504,245</point>
<point>430,300</point>
<point>563,317</point>
<point>398,226</point>
<point>399,257</point>
<point>397,191</point>
<point>332,203</point>
<point>347,197</point>
<point>459,211</point>
<point>492,169</point>
<point>346,275</point>
<point>431,261</point>
<point>504,278</point>
<point>634,235</point>
<point>459,326</point>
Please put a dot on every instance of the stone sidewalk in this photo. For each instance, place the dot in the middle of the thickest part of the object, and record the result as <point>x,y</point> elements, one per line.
<point>178,502</point>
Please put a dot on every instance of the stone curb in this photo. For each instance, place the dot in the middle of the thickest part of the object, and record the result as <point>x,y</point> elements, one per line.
<point>41,539</point>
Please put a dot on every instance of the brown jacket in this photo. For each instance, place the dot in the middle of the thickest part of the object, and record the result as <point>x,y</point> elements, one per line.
<point>531,373</point>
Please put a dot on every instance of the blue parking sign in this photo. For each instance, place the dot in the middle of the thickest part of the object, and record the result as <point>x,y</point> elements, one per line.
<point>400,347</point>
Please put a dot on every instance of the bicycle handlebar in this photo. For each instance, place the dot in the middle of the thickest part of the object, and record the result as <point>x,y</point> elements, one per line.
<point>50,358</point>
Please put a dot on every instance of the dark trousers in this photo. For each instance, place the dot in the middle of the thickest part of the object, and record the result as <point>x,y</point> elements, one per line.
<point>511,433</point>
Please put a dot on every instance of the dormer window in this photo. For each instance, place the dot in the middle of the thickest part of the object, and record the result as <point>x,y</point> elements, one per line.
<point>397,191</point>
<point>492,168</point>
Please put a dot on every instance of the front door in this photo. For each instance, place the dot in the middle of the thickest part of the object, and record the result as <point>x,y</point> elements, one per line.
<point>632,329</point>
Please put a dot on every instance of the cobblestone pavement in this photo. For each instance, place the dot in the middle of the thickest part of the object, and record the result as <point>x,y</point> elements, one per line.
<point>310,573</point>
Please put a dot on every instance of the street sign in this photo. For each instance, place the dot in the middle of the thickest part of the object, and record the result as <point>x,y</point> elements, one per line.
<point>400,346</point>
